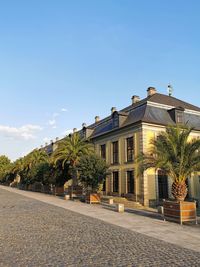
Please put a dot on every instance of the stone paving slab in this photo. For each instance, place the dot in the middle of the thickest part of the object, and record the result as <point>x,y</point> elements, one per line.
<point>37,234</point>
<point>186,236</point>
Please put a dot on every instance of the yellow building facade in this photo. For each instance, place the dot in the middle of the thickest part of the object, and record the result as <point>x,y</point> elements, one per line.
<point>122,136</point>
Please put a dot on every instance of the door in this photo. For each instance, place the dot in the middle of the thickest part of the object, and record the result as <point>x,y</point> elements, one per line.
<point>162,185</point>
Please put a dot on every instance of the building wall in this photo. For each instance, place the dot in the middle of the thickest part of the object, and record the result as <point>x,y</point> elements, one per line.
<point>146,186</point>
<point>151,132</point>
<point>123,165</point>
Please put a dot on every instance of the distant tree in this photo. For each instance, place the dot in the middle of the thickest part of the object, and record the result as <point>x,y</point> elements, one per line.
<point>70,151</point>
<point>25,167</point>
<point>92,172</point>
<point>5,165</point>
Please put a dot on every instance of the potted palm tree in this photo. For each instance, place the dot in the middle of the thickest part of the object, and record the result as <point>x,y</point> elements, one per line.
<point>68,153</point>
<point>179,156</point>
<point>92,174</point>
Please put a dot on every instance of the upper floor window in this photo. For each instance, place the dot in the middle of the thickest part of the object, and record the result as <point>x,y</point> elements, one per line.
<point>130,148</point>
<point>103,151</point>
<point>115,152</point>
<point>116,120</point>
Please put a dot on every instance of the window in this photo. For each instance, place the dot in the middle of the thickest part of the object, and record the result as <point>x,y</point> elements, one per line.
<point>103,152</point>
<point>130,182</point>
<point>179,116</point>
<point>115,181</point>
<point>115,152</point>
<point>116,120</point>
<point>104,186</point>
<point>130,148</point>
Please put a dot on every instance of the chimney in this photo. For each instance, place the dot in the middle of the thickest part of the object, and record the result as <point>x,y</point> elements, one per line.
<point>151,91</point>
<point>46,144</point>
<point>57,138</point>
<point>74,130</point>
<point>113,109</point>
<point>84,125</point>
<point>135,99</point>
<point>97,119</point>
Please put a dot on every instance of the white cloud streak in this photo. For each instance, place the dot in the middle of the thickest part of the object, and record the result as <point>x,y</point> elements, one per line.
<point>53,121</point>
<point>25,132</point>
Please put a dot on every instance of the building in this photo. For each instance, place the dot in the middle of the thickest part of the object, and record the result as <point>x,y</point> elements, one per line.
<point>121,136</point>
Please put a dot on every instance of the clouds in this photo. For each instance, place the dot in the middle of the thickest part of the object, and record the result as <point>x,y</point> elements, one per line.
<point>25,132</point>
<point>53,121</point>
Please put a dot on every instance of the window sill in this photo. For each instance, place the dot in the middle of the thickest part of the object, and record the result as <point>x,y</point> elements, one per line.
<point>114,164</point>
<point>129,161</point>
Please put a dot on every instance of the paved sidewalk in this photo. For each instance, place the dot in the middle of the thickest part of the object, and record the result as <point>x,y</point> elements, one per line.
<point>184,236</point>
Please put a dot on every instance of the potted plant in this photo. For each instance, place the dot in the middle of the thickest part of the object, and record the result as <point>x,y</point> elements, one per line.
<point>179,157</point>
<point>92,173</point>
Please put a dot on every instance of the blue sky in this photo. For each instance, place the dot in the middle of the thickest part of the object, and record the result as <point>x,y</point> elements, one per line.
<point>64,62</point>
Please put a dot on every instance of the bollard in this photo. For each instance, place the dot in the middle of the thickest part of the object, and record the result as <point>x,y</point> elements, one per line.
<point>66,197</point>
<point>120,208</point>
<point>110,201</point>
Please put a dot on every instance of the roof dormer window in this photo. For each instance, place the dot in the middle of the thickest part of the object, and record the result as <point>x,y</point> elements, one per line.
<point>179,117</point>
<point>115,120</point>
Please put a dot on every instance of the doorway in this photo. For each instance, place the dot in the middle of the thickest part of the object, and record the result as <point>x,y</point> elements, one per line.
<point>162,185</point>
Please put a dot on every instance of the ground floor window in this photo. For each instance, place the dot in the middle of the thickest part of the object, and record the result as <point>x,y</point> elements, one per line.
<point>130,182</point>
<point>115,181</point>
<point>104,186</point>
<point>162,185</point>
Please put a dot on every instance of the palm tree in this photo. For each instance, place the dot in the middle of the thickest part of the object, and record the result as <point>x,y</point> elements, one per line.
<point>36,157</point>
<point>69,152</point>
<point>23,165</point>
<point>178,156</point>
<point>18,166</point>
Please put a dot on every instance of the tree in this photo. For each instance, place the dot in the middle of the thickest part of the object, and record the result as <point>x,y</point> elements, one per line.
<point>178,156</point>
<point>25,167</point>
<point>92,172</point>
<point>70,151</point>
<point>5,163</point>
<point>32,161</point>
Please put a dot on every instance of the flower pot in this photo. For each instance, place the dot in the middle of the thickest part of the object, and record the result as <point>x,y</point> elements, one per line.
<point>92,198</point>
<point>46,189</point>
<point>37,187</point>
<point>75,191</point>
<point>59,190</point>
<point>180,211</point>
<point>30,187</point>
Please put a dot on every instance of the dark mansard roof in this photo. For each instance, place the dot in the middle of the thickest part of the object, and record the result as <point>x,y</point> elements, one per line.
<point>155,109</point>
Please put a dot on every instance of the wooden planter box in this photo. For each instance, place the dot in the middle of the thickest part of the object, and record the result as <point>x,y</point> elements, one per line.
<point>180,211</point>
<point>30,187</point>
<point>75,191</point>
<point>46,189</point>
<point>37,187</point>
<point>92,198</point>
<point>59,190</point>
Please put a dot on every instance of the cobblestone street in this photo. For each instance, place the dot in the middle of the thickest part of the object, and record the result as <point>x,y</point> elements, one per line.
<point>36,234</point>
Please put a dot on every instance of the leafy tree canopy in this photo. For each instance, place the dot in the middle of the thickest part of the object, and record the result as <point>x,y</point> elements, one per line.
<point>92,171</point>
